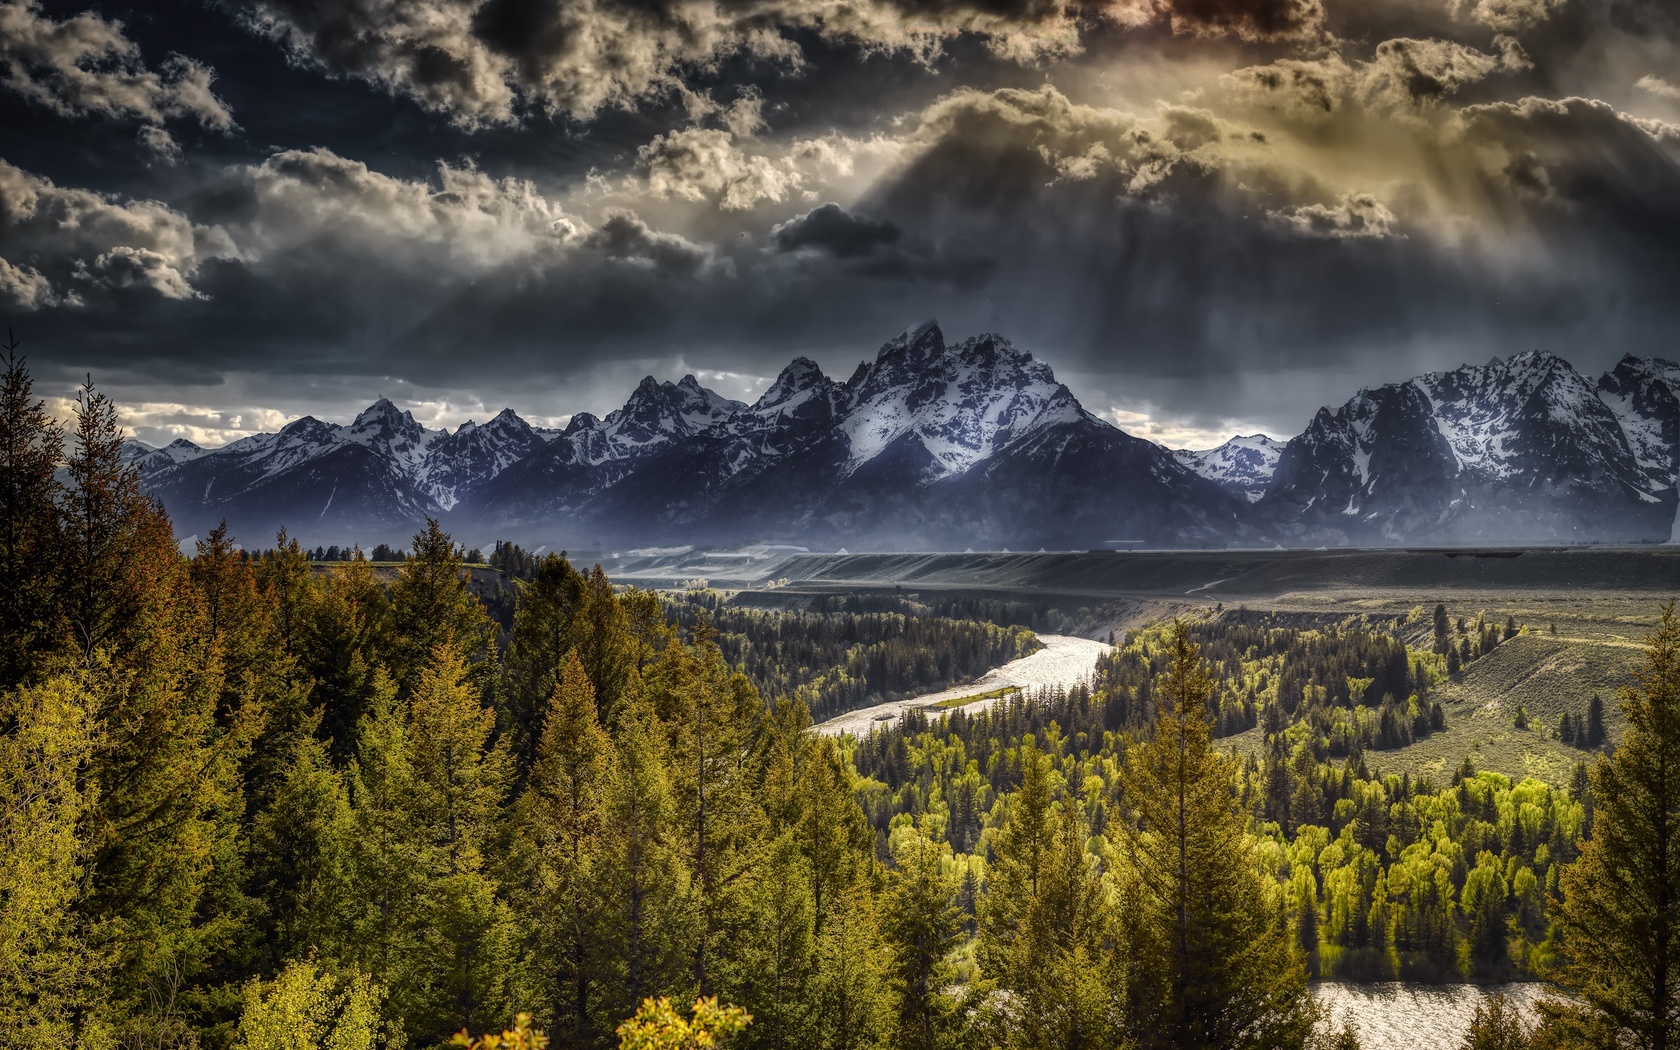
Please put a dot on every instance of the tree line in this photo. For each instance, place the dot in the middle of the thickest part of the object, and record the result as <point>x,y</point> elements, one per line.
<point>838,661</point>
<point>246,804</point>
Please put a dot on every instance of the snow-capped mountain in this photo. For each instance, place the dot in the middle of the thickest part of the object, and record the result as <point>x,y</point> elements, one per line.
<point>927,445</point>
<point>1244,465</point>
<point>932,445</point>
<point>377,475</point>
<point>1517,451</point>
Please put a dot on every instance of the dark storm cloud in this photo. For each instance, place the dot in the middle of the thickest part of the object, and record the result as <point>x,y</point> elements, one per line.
<point>85,66</point>
<point>487,63</point>
<point>1247,19</point>
<point>832,229</point>
<point>1218,211</point>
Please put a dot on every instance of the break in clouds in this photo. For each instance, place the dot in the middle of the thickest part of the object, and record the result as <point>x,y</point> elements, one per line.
<point>1205,214</point>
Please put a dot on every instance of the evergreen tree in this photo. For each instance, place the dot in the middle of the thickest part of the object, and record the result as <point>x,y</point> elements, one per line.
<point>339,642</point>
<point>713,717</point>
<point>299,855</point>
<point>431,606</point>
<point>461,782</point>
<point>1022,850</point>
<point>605,645</point>
<point>1497,1026</point>
<point>559,821</point>
<point>118,547</point>
<point>30,450</point>
<point>1218,971</point>
<point>647,912</point>
<point>920,924</point>
<point>543,636</point>
<point>853,1011</point>
<point>1595,722</point>
<point>1618,912</point>
<point>51,965</point>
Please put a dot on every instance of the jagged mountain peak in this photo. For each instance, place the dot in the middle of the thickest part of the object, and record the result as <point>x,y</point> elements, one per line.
<point>801,388</point>
<point>1243,465</point>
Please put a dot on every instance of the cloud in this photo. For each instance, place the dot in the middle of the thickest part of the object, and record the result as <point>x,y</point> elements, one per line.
<point>832,229</point>
<point>1511,16</point>
<point>28,288</point>
<point>1246,19</point>
<point>1657,86</point>
<point>489,62</point>
<point>85,66</point>
<point>697,164</point>
<point>64,243</point>
<point>317,200</point>
<point>626,237</point>
<point>1355,215</point>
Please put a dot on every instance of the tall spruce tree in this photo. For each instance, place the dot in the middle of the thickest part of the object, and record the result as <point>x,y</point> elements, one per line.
<point>559,822</point>
<point>31,447</point>
<point>1618,907</point>
<point>646,885</point>
<point>432,606</point>
<point>1217,968</point>
<point>543,636</point>
<point>920,924</point>
<point>51,964</point>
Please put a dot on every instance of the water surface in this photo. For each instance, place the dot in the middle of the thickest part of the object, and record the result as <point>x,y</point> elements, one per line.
<point>1396,1016</point>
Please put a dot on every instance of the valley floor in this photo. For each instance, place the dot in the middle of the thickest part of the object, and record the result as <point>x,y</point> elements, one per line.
<point>1063,662</point>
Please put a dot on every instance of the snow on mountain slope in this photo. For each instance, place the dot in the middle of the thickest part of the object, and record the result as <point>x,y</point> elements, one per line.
<point>1244,464</point>
<point>1523,450</point>
<point>961,404</point>
<point>936,445</point>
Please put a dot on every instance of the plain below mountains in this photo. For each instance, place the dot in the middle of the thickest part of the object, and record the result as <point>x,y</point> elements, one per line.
<point>937,446</point>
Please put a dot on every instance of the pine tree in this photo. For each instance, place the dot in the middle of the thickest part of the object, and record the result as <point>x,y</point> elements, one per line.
<point>713,716</point>
<point>1497,1026</point>
<point>853,1011</point>
<point>300,852</point>
<point>920,925</point>
<point>1485,896</point>
<point>431,606</point>
<point>1022,849</point>
<point>51,965</point>
<point>118,546</point>
<point>1595,722</point>
<point>338,643</point>
<point>1069,974</point>
<point>461,782</point>
<point>30,544</point>
<point>1220,967</point>
<point>284,575</point>
<point>560,828</point>
<point>543,636</point>
<point>605,645</point>
<point>647,913</point>
<point>1618,915</point>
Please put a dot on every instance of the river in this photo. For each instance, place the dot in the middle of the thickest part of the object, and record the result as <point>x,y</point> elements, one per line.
<point>1064,661</point>
<point>1396,1016</point>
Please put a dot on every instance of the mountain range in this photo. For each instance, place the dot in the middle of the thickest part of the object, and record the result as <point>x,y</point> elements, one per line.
<point>936,445</point>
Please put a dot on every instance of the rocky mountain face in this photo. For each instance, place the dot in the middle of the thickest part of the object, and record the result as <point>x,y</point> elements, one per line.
<point>1520,451</point>
<point>1243,465</point>
<point>974,444</point>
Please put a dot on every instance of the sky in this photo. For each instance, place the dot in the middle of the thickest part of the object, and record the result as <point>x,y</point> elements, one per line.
<point>1209,216</point>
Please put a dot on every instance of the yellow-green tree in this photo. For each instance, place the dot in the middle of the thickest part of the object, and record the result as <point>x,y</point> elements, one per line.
<point>51,969</point>
<point>658,1026</point>
<point>1214,967</point>
<point>1618,907</point>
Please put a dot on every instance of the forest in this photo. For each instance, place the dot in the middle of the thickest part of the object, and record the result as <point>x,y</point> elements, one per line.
<point>841,660</point>
<point>250,802</point>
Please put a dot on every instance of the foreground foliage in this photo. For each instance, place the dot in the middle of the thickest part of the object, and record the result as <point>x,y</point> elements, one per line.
<point>247,804</point>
